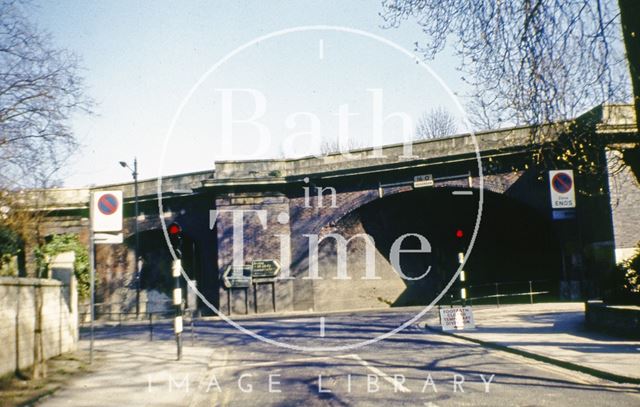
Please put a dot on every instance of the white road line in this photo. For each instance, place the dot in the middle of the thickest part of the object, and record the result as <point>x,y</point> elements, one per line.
<point>321,49</point>
<point>380,373</point>
<point>462,192</point>
<point>322,327</point>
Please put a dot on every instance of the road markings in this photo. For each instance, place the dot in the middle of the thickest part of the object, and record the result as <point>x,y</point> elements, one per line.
<point>321,49</point>
<point>380,373</point>
<point>322,327</point>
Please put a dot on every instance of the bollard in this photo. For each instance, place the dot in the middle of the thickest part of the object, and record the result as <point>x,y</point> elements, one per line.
<point>151,326</point>
<point>193,336</point>
<point>530,292</point>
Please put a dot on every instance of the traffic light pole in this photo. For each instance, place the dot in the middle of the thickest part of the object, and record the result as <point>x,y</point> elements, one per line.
<point>177,303</point>
<point>175,237</point>
<point>463,278</point>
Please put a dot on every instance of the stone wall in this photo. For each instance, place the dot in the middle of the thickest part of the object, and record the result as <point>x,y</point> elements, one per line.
<point>624,192</point>
<point>613,319</point>
<point>37,317</point>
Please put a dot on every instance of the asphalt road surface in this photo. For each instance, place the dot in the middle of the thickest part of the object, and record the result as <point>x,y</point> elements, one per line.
<point>414,367</point>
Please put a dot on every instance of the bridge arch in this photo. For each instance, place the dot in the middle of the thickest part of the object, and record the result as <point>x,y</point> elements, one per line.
<point>515,243</point>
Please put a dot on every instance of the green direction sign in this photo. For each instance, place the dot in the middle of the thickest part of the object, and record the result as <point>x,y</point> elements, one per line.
<point>265,268</point>
<point>237,277</point>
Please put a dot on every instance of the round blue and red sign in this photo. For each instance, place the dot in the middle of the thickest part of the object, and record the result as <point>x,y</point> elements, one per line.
<point>562,182</point>
<point>108,204</point>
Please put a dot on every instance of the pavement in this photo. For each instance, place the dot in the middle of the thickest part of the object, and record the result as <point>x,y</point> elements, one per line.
<point>416,367</point>
<point>555,333</point>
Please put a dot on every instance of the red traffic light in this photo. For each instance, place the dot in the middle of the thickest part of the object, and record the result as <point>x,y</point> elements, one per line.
<point>174,229</point>
<point>459,233</point>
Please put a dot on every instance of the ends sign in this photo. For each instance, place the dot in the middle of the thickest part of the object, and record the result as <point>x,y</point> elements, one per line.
<point>562,189</point>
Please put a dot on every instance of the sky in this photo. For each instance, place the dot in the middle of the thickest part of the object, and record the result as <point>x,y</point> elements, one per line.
<point>180,85</point>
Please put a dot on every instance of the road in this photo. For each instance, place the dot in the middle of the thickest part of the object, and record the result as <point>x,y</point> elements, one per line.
<point>223,366</point>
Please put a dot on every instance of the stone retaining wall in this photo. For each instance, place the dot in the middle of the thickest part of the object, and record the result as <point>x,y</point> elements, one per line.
<point>38,320</point>
<point>614,319</point>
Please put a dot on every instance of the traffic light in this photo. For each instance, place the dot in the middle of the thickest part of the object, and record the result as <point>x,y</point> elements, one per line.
<point>175,237</point>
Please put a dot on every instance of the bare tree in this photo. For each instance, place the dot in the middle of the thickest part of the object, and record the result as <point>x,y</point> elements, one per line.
<point>539,62</point>
<point>334,146</point>
<point>527,61</point>
<point>40,88</point>
<point>438,122</point>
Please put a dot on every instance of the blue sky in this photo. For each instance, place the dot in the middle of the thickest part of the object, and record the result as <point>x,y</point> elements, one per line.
<point>141,59</point>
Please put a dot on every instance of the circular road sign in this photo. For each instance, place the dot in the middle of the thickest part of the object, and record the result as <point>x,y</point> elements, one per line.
<point>562,182</point>
<point>108,204</point>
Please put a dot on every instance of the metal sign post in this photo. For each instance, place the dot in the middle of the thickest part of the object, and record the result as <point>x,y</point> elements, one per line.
<point>92,276</point>
<point>463,278</point>
<point>177,302</point>
<point>105,215</point>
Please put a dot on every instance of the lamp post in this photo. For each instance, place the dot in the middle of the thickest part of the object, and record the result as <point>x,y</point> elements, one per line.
<point>134,173</point>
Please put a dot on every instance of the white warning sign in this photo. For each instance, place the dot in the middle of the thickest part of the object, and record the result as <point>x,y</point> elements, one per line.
<point>456,318</point>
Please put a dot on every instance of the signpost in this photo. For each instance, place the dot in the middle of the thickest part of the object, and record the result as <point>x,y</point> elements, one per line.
<point>264,271</point>
<point>105,217</point>
<point>420,181</point>
<point>237,277</point>
<point>456,318</point>
<point>258,272</point>
<point>268,269</point>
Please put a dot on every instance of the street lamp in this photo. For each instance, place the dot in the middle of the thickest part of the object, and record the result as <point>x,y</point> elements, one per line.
<point>134,173</point>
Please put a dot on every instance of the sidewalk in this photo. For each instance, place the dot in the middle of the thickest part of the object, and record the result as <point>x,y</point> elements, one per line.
<point>554,333</point>
<point>135,372</point>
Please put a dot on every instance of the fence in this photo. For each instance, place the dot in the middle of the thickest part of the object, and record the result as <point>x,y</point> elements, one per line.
<point>121,311</point>
<point>511,292</point>
<point>118,314</point>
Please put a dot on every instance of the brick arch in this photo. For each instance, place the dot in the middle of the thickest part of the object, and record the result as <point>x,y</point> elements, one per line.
<point>350,201</point>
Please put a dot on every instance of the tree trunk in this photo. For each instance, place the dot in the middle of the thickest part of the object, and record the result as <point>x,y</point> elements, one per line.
<point>630,19</point>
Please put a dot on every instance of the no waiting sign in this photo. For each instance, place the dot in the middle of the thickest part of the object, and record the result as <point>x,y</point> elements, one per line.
<point>562,189</point>
<point>106,211</point>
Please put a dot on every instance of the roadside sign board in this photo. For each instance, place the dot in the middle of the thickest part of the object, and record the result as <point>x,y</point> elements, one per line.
<point>420,181</point>
<point>265,268</point>
<point>562,189</point>
<point>106,211</point>
<point>456,318</point>
<point>108,238</point>
<point>237,277</point>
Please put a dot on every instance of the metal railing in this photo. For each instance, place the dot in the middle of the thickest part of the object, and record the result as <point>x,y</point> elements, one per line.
<point>509,292</point>
<point>121,311</point>
<point>105,315</point>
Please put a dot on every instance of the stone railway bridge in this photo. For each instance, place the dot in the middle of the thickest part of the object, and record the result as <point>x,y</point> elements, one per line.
<point>519,237</point>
